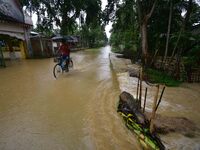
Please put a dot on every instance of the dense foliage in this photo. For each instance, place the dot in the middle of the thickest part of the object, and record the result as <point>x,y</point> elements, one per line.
<point>146,29</point>
<point>124,32</point>
<point>70,17</point>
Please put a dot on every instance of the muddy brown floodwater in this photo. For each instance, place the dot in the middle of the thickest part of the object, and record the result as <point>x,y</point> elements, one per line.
<point>75,112</point>
<point>183,101</point>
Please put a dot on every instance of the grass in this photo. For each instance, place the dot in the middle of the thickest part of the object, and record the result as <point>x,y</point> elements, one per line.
<point>156,76</point>
<point>92,49</point>
<point>115,50</point>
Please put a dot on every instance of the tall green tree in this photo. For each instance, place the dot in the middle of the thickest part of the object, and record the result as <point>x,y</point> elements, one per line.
<point>168,30</point>
<point>165,26</point>
<point>145,11</point>
<point>64,12</point>
<point>124,32</point>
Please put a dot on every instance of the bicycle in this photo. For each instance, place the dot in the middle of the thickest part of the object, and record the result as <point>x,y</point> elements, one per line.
<point>61,66</point>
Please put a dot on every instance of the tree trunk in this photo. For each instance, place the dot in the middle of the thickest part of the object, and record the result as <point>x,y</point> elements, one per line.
<point>179,36</point>
<point>168,31</point>
<point>184,28</point>
<point>144,41</point>
<point>139,13</point>
<point>143,27</point>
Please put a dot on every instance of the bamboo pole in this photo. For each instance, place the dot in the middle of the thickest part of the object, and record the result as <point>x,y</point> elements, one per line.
<point>145,100</point>
<point>160,98</point>
<point>140,97</point>
<point>138,86</point>
<point>153,110</point>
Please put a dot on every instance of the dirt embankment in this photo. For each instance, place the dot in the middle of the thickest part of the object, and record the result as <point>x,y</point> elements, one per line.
<point>121,65</point>
<point>126,71</point>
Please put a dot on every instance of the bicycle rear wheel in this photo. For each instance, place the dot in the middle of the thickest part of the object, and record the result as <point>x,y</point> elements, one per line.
<point>57,70</point>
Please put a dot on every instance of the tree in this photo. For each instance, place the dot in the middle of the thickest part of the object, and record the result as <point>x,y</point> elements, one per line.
<point>64,12</point>
<point>168,31</point>
<point>144,14</point>
<point>185,26</point>
<point>124,33</point>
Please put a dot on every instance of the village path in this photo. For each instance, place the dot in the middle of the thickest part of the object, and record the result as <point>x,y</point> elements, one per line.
<point>74,112</point>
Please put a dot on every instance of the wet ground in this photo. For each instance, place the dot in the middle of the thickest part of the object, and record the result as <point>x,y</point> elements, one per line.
<point>75,112</point>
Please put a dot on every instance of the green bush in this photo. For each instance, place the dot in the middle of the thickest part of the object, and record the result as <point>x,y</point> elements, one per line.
<point>116,50</point>
<point>156,76</point>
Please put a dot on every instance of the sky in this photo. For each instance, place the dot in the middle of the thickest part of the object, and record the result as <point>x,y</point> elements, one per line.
<point>108,27</point>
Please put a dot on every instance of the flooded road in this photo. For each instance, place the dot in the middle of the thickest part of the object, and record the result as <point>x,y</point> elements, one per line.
<point>75,112</point>
<point>183,101</point>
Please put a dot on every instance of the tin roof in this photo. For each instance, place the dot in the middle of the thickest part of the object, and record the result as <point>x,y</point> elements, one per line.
<point>12,11</point>
<point>7,18</point>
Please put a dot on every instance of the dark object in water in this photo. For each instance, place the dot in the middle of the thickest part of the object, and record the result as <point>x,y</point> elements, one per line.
<point>137,122</point>
<point>128,104</point>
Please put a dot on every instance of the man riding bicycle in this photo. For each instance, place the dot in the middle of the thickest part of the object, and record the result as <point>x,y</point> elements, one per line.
<point>64,51</point>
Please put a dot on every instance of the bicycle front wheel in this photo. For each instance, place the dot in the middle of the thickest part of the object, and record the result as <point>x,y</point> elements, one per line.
<point>57,70</point>
<point>71,64</point>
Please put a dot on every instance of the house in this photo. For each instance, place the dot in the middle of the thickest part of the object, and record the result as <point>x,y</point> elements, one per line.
<point>42,46</point>
<point>15,26</point>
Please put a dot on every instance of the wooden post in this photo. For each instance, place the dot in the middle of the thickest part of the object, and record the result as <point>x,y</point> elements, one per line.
<point>140,96</point>
<point>153,110</point>
<point>160,98</point>
<point>41,45</point>
<point>145,100</point>
<point>2,61</point>
<point>138,84</point>
<point>22,49</point>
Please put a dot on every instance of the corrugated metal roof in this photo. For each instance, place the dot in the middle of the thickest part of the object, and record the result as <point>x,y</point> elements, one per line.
<point>11,11</point>
<point>7,18</point>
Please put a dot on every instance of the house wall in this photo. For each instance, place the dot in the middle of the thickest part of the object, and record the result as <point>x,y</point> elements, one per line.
<point>16,24</point>
<point>18,51</point>
<point>18,31</point>
<point>12,29</point>
<point>42,47</point>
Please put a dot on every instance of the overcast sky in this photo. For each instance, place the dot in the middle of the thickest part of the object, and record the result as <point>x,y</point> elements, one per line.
<point>109,26</point>
<point>104,3</point>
